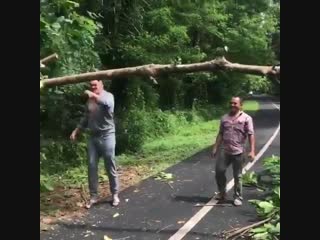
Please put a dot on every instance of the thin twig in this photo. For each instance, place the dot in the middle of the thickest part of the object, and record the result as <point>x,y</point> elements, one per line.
<point>244,232</point>
<point>164,228</point>
<point>170,185</point>
<point>231,230</point>
<point>216,205</point>
<point>248,227</point>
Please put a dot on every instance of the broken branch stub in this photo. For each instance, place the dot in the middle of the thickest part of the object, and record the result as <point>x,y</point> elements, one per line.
<point>49,58</point>
<point>153,70</point>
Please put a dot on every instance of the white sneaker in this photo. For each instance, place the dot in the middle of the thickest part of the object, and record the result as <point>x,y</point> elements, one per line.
<point>115,200</point>
<point>91,202</point>
<point>237,202</point>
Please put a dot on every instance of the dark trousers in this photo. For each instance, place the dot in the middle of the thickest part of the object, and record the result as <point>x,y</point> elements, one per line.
<point>223,162</point>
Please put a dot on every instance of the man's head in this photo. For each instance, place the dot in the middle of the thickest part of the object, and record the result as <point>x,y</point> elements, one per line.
<point>235,104</point>
<point>96,86</point>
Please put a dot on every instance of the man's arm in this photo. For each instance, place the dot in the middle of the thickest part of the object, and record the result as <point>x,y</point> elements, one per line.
<point>252,141</point>
<point>218,142</point>
<point>101,99</point>
<point>216,145</point>
<point>82,125</point>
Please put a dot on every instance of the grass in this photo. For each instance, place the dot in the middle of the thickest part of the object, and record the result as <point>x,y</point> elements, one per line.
<point>157,155</point>
<point>251,106</point>
<point>163,152</point>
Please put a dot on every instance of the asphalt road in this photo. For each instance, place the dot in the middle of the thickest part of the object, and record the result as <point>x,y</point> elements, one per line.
<point>157,210</point>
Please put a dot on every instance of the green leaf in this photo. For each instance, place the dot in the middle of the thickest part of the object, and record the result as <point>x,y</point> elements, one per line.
<point>259,230</point>
<point>254,201</point>
<point>261,236</point>
<point>56,26</point>
<point>164,176</point>
<point>75,4</point>
<point>267,206</point>
<point>276,229</point>
<point>250,178</point>
<point>48,187</point>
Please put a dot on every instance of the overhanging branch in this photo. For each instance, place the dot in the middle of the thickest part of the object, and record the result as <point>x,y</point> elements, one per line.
<point>153,70</point>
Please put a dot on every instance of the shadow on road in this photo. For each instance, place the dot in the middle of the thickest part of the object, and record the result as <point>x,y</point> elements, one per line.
<point>160,231</point>
<point>192,199</point>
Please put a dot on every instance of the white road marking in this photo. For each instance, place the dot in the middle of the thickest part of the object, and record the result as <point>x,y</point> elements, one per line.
<point>276,106</point>
<point>209,205</point>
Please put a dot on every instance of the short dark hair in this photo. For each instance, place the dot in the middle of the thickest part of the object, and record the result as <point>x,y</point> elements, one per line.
<point>240,99</point>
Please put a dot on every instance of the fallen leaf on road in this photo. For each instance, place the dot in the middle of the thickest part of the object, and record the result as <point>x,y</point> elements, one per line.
<point>88,233</point>
<point>44,227</point>
<point>164,176</point>
<point>181,222</point>
<point>106,238</point>
<point>136,190</point>
<point>116,215</point>
<point>127,200</point>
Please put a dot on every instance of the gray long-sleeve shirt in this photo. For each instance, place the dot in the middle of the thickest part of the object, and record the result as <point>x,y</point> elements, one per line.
<point>98,117</point>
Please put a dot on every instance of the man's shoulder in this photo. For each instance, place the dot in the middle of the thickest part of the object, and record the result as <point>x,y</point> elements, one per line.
<point>246,116</point>
<point>108,94</point>
<point>225,116</point>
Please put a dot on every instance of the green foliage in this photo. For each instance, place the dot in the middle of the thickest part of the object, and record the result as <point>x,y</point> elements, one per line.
<point>159,21</point>
<point>256,84</point>
<point>270,207</point>
<point>250,178</point>
<point>57,156</point>
<point>70,35</point>
<point>272,166</point>
<point>46,183</point>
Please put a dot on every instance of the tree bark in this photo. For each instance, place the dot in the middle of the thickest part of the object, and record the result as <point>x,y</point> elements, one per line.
<point>153,70</point>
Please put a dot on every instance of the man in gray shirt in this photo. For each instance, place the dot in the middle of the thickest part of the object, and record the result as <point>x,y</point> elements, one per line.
<point>98,118</point>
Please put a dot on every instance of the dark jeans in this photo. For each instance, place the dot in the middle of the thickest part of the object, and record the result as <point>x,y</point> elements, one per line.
<point>223,162</point>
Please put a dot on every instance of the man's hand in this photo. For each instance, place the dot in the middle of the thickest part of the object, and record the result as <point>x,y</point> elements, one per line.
<point>251,156</point>
<point>214,152</point>
<point>74,134</point>
<point>89,93</point>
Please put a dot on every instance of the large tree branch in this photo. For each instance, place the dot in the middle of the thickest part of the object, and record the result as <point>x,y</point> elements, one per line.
<point>153,70</point>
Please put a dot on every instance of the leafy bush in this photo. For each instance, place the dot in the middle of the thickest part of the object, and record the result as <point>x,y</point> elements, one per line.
<point>46,183</point>
<point>60,155</point>
<point>270,207</point>
<point>131,131</point>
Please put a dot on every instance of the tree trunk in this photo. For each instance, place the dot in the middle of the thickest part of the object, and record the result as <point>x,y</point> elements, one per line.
<point>153,70</point>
